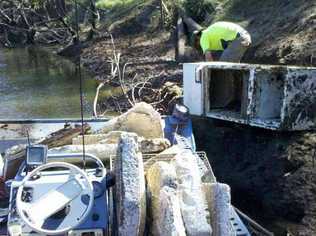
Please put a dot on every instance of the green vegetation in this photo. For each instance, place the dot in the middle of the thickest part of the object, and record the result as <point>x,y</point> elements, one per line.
<point>198,9</point>
<point>118,11</point>
<point>110,4</point>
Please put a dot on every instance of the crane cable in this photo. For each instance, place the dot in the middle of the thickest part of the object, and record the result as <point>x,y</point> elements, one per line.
<point>78,70</point>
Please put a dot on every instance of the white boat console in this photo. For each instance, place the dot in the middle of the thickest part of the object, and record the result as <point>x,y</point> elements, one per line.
<point>57,198</point>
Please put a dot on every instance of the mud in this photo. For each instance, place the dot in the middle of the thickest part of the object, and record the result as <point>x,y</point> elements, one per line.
<point>272,174</point>
<point>283,32</point>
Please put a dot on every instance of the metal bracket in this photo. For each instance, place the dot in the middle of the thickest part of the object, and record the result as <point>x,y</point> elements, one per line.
<point>199,74</point>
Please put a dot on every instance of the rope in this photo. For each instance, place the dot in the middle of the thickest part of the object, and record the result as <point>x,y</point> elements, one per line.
<point>80,87</point>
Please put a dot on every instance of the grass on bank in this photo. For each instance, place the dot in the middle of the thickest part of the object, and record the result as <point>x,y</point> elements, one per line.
<point>110,4</point>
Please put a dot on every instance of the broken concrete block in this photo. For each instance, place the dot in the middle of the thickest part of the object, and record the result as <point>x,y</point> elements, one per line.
<point>160,174</point>
<point>102,151</point>
<point>193,203</point>
<point>88,139</point>
<point>146,145</point>
<point>219,204</point>
<point>169,220</point>
<point>112,137</point>
<point>130,187</point>
<point>154,145</point>
<point>142,119</point>
<point>164,207</point>
<point>172,151</point>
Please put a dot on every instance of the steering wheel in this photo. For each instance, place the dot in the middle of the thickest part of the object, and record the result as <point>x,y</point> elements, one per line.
<point>75,195</point>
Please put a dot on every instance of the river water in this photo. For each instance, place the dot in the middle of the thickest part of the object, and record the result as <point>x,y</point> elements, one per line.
<point>37,84</point>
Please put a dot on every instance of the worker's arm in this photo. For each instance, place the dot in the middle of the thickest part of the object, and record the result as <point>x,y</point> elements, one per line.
<point>206,46</point>
<point>208,56</point>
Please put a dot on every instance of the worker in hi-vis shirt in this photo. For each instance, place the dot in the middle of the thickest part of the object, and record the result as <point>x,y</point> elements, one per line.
<point>223,41</point>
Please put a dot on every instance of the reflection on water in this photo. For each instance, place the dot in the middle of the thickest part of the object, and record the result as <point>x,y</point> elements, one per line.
<point>37,84</point>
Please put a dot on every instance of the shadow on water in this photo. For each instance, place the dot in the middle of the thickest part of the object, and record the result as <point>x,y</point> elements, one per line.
<point>37,84</point>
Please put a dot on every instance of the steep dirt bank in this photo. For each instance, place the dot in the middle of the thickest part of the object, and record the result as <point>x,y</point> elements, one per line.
<point>283,31</point>
<point>272,174</point>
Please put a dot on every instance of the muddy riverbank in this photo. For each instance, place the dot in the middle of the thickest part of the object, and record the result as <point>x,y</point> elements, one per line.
<point>272,174</point>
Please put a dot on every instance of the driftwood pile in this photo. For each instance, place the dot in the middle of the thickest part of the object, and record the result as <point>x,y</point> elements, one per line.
<point>44,22</point>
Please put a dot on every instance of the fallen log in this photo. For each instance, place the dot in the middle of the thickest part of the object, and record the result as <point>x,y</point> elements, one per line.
<point>180,47</point>
<point>190,23</point>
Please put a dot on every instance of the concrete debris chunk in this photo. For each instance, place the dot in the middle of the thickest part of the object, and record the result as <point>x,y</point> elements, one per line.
<point>164,207</point>
<point>142,119</point>
<point>219,204</point>
<point>130,191</point>
<point>169,220</point>
<point>172,151</point>
<point>154,145</point>
<point>102,151</point>
<point>193,203</point>
<point>89,139</point>
<point>160,174</point>
<point>147,146</point>
<point>112,137</point>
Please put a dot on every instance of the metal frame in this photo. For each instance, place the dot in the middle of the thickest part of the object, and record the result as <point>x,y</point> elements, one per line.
<point>252,226</point>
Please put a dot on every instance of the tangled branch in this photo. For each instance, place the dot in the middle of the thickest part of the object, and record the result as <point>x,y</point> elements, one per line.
<point>134,89</point>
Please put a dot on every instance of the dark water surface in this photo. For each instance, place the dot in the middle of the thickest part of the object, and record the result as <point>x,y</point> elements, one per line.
<point>37,84</point>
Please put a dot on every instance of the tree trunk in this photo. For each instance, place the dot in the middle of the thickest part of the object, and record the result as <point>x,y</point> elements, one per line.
<point>180,47</point>
<point>94,18</point>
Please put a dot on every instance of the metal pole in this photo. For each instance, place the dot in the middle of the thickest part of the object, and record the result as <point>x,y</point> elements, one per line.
<point>255,224</point>
<point>81,88</point>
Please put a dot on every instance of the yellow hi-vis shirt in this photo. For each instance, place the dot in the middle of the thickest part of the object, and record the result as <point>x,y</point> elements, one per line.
<point>211,38</point>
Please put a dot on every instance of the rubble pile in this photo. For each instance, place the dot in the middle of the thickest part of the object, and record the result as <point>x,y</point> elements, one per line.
<point>163,197</point>
<point>193,204</point>
<point>142,119</point>
<point>165,210</point>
